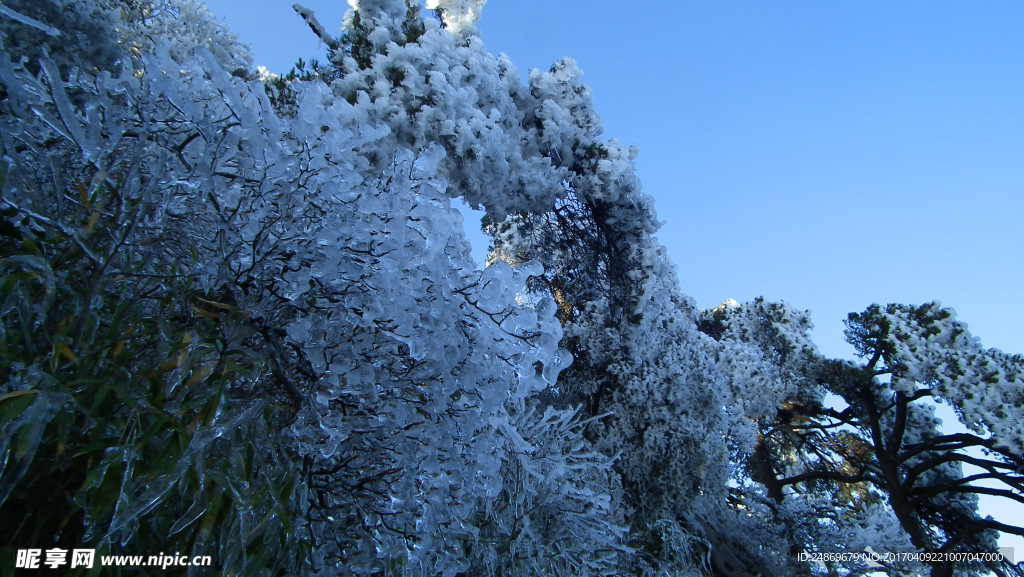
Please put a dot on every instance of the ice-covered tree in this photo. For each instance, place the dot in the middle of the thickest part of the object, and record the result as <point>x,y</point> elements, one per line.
<point>238,318</point>
<point>554,192</point>
<point>872,458</point>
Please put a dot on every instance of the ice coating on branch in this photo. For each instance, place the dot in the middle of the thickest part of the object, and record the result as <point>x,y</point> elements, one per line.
<point>426,164</point>
<point>927,347</point>
<point>761,347</point>
<point>373,8</point>
<point>30,424</point>
<point>460,16</point>
<point>314,24</point>
<point>186,25</point>
<point>13,14</point>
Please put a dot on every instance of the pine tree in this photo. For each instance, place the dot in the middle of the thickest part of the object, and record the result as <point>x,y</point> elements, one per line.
<point>879,460</point>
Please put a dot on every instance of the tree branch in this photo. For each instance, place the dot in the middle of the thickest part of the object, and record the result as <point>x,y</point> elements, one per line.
<point>990,466</point>
<point>825,476</point>
<point>958,487</point>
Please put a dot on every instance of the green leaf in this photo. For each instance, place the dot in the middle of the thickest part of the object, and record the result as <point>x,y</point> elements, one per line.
<point>12,405</point>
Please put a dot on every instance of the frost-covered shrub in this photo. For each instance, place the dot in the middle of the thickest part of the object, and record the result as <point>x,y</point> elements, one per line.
<point>302,344</point>
<point>129,421</point>
<point>73,34</point>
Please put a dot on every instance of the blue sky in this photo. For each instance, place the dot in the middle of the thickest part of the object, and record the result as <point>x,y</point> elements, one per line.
<point>832,154</point>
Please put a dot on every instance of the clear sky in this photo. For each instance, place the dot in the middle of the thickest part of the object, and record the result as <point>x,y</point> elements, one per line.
<point>832,154</point>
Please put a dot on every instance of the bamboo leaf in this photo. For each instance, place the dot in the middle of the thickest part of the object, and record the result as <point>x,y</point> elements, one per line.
<point>65,352</point>
<point>205,314</point>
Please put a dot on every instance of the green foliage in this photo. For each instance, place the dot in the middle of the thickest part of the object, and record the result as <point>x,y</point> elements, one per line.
<point>300,72</point>
<point>413,26</point>
<point>355,42</point>
<point>123,388</point>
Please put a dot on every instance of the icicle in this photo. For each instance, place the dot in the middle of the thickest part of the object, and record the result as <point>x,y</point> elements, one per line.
<point>50,30</point>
